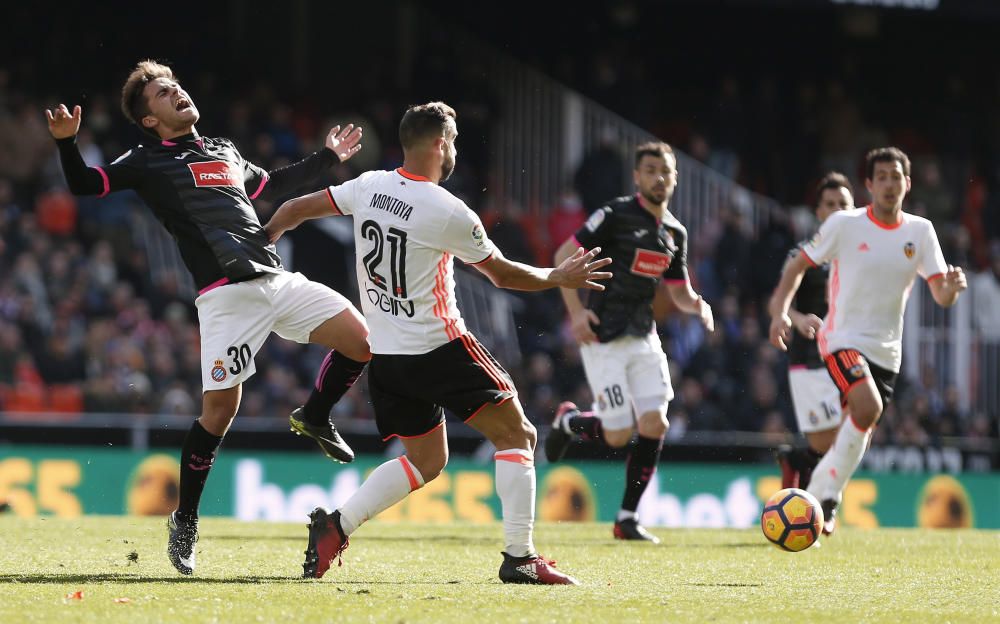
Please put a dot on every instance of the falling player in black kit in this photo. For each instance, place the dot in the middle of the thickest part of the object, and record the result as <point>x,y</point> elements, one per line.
<point>201,190</point>
<point>814,395</point>
<point>622,356</point>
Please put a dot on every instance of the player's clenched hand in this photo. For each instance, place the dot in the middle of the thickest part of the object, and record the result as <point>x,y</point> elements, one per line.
<point>580,270</point>
<point>344,143</point>
<point>808,325</point>
<point>581,324</point>
<point>954,279</point>
<point>781,331</point>
<point>62,124</point>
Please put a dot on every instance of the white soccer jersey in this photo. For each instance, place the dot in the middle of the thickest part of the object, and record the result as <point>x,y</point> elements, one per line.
<point>406,231</point>
<point>872,268</point>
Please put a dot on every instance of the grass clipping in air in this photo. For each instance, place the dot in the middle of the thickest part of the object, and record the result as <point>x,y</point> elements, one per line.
<point>115,569</point>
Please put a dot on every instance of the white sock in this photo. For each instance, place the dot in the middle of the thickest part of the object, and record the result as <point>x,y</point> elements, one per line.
<point>516,489</point>
<point>838,465</point>
<point>625,514</point>
<point>385,486</point>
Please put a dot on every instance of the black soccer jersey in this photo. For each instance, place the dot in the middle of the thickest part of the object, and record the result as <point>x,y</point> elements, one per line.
<point>201,190</point>
<point>809,299</point>
<point>644,250</point>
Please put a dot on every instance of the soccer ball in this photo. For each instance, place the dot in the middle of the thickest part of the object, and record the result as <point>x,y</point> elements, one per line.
<point>792,519</point>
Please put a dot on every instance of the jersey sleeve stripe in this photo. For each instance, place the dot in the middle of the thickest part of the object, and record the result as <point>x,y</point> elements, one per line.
<point>483,260</point>
<point>333,202</point>
<point>260,188</point>
<point>104,178</point>
<point>931,278</point>
<point>808,259</point>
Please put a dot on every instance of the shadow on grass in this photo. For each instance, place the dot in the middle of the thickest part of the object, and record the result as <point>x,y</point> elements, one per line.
<point>369,537</point>
<point>73,579</point>
<point>724,584</point>
<point>83,579</point>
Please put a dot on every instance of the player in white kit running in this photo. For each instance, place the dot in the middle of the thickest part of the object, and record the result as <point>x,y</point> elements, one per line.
<point>407,232</point>
<point>874,254</point>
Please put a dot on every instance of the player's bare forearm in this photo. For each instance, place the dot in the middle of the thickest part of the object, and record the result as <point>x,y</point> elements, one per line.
<point>690,302</point>
<point>684,297</point>
<point>578,271</point>
<point>784,292</point>
<point>570,296</point>
<point>294,212</point>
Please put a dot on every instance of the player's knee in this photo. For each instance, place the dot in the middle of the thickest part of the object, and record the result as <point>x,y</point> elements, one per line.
<point>431,467</point>
<point>358,349</point>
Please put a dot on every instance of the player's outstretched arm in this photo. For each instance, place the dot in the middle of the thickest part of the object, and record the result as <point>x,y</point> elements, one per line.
<point>81,179</point>
<point>293,212</point>
<point>578,271</point>
<point>341,145</point>
<point>781,300</point>
<point>945,289</point>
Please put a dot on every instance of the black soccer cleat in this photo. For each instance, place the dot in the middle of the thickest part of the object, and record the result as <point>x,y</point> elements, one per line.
<point>558,440</point>
<point>829,516</point>
<point>326,542</point>
<point>181,538</point>
<point>533,570</point>
<point>325,435</point>
<point>630,529</point>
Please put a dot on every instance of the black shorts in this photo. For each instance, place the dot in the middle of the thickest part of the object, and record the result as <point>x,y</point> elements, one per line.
<point>848,368</point>
<point>410,392</point>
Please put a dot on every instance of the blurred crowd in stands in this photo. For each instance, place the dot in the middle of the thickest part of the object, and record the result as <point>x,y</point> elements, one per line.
<point>89,324</point>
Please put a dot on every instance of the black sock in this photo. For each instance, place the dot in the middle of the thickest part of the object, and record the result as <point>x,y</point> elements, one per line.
<point>811,457</point>
<point>336,376</point>
<point>197,457</point>
<point>642,460</point>
<point>588,426</point>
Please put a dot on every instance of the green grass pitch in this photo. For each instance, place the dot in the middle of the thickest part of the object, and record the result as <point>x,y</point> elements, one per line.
<point>249,572</point>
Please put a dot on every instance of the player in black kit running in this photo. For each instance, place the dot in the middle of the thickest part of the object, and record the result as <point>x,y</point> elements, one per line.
<point>201,189</point>
<point>622,356</point>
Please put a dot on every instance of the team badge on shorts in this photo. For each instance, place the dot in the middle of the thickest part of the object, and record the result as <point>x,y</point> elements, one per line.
<point>857,371</point>
<point>218,372</point>
<point>909,249</point>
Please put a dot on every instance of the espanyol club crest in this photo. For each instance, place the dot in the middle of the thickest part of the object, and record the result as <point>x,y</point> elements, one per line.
<point>909,249</point>
<point>218,372</point>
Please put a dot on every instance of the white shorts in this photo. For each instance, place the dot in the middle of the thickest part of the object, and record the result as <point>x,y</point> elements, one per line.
<point>628,372</point>
<point>816,399</point>
<point>236,318</point>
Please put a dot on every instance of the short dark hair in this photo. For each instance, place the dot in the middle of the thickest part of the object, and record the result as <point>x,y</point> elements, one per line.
<point>652,148</point>
<point>885,154</point>
<point>134,105</point>
<point>832,181</point>
<point>423,122</point>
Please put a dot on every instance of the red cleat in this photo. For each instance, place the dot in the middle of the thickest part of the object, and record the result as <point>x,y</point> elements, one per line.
<point>326,542</point>
<point>533,570</point>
